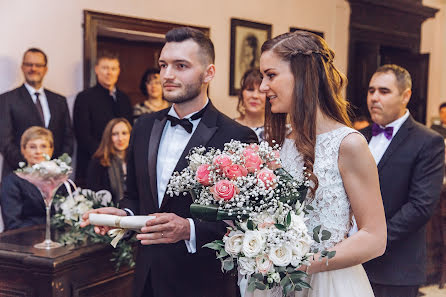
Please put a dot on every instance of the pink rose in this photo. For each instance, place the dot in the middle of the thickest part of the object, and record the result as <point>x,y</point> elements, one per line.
<point>202,175</point>
<point>252,160</point>
<point>224,190</point>
<point>234,171</point>
<point>273,165</point>
<point>222,161</point>
<point>268,177</point>
<point>254,147</point>
<point>264,264</point>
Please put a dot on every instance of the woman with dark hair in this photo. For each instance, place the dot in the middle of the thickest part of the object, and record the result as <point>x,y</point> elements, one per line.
<point>150,87</point>
<point>302,85</point>
<point>251,102</point>
<point>107,169</point>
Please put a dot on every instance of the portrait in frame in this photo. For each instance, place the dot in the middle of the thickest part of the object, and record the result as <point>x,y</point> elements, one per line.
<point>246,40</point>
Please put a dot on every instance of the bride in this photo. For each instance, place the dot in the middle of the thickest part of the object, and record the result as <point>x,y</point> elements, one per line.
<point>302,85</point>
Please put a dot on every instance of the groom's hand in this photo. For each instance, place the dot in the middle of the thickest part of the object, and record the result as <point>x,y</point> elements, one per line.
<point>165,228</point>
<point>104,210</point>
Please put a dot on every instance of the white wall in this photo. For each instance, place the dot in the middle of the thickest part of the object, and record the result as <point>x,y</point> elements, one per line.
<point>433,41</point>
<point>56,27</point>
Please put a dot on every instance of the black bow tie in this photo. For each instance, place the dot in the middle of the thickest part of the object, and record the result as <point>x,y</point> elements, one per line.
<point>186,123</point>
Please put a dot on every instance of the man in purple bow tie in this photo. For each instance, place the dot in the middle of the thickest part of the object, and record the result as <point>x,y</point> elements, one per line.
<point>410,160</point>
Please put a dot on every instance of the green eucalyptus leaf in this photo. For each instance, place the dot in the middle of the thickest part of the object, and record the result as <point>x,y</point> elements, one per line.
<point>284,281</point>
<point>280,269</point>
<point>260,286</point>
<point>252,285</point>
<point>309,207</point>
<point>213,246</point>
<point>331,254</point>
<point>317,229</point>
<point>250,225</point>
<point>288,219</point>
<point>280,227</point>
<point>304,284</point>
<point>316,237</point>
<point>228,264</point>
<point>288,288</point>
<point>257,276</point>
<point>325,235</point>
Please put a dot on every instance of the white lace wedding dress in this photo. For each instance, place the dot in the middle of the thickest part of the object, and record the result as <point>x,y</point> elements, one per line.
<point>332,211</point>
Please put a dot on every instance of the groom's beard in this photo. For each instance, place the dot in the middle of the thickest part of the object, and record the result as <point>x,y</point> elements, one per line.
<point>190,92</point>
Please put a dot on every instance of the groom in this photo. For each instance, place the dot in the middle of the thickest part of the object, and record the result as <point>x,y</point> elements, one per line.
<point>171,260</point>
<point>410,159</point>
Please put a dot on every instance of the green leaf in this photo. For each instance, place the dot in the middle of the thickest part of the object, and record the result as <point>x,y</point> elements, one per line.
<point>280,269</point>
<point>257,276</point>
<point>284,281</point>
<point>288,219</point>
<point>304,284</point>
<point>316,237</point>
<point>309,207</point>
<point>250,225</point>
<point>260,286</point>
<point>222,254</point>
<point>298,273</point>
<point>317,229</point>
<point>331,254</point>
<point>290,269</point>
<point>252,285</point>
<point>288,288</point>
<point>213,246</point>
<point>228,264</point>
<point>325,235</point>
<point>280,227</point>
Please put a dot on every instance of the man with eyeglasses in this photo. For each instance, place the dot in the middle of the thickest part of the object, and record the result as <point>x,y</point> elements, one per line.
<point>33,105</point>
<point>95,107</point>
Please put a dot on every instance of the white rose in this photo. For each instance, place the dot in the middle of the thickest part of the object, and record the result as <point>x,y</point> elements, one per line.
<point>264,264</point>
<point>82,208</point>
<point>253,243</point>
<point>234,243</point>
<point>246,265</point>
<point>79,198</point>
<point>281,255</point>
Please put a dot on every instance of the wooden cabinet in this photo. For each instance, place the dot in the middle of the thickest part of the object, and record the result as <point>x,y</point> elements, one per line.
<point>62,272</point>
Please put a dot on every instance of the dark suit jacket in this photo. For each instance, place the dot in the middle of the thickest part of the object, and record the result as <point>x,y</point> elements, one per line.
<point>21,202</point>
<point>169,268</point>
<point>99,179</point>
<point>93,109</point>
<point>18,112</point>
<point>410,177</point>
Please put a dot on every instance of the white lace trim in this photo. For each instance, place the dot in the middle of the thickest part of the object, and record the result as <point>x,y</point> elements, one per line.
<point>331,205</point>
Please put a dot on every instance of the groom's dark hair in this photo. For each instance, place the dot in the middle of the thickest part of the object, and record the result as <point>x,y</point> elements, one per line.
<point>184,33</point>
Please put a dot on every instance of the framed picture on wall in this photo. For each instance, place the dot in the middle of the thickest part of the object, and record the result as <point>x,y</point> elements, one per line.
<point>246,40</point>
<point>321,34</point>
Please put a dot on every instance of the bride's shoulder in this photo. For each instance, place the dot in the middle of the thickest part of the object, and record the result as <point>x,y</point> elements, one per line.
<point>353,141</point>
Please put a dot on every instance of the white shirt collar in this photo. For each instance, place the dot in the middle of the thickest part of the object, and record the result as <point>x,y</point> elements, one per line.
<point>32,91</point>
<point>398,122</point>
<point>173,113</point>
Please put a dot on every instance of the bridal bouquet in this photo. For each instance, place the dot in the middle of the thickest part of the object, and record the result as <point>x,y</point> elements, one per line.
<point>268,239</point>
<point>69,211</point>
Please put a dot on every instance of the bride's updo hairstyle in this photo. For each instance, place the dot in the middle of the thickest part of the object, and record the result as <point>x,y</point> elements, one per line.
<point>317,83</point>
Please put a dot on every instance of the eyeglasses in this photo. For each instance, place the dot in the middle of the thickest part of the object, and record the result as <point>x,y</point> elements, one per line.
<point>37,65</point>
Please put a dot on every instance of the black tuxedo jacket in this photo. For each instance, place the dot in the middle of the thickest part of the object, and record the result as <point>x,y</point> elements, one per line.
<point>18,112</point>
<point>168,268</point>
<point>410,177</point>
<point>21,202</point>
<point>93,109</point>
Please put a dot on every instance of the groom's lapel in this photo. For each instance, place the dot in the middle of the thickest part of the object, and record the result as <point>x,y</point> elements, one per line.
<point>154,143</point>
<point>204,132</point>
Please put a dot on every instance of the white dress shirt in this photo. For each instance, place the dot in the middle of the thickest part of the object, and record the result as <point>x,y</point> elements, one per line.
<point>43,102</point>
<point>172,144</point>
<point>378,144</point>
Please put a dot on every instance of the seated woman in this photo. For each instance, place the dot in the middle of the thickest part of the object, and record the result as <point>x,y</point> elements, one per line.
<point>150,86</point>
<point>107,169</point>
<point>21,202</point>
<point>251,102</point>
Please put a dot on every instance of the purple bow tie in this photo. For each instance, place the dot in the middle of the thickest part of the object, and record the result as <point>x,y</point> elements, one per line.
<point>388,131</point>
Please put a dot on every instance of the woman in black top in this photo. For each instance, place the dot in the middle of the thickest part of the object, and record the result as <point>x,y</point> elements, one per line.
<point>107,169</point>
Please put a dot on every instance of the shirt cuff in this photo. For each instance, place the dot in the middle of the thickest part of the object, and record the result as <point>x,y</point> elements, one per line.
<point>191,244</point>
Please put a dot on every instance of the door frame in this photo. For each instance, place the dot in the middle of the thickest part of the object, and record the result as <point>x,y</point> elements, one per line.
<point>95,21</point>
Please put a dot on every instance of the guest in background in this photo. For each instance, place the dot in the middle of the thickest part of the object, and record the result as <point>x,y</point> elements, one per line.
<point>441,127</point>
<point>251,102</point>
<point>410,160</point>
<point>151,87</point>
<point>33,105</point>
<point>21,202</point>
<point>95,107</point>
<point>107,169</point>
<point>360,122</point>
